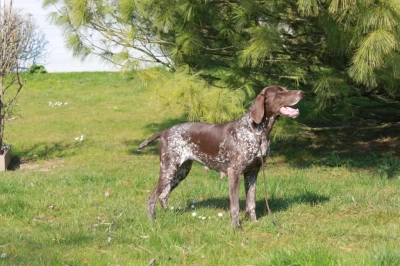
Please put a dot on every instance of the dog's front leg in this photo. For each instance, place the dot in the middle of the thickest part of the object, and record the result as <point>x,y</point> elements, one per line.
<point>250,179</point>
<point>234,178</point>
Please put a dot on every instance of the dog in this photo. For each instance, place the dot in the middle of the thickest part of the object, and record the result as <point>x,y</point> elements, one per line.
<point>233,149</point>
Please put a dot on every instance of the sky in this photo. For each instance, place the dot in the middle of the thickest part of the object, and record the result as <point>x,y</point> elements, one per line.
<point>58,58</point>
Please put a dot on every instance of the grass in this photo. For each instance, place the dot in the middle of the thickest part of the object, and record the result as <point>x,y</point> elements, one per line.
<point>340,205</point>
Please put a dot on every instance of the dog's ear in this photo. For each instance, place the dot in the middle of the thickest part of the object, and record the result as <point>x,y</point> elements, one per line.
<point>257,108</point>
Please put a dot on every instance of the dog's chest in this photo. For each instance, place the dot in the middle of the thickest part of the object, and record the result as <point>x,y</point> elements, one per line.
<point>237,150</point>
<point>245,142</point>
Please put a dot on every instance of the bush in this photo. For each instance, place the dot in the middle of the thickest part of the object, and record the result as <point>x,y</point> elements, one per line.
<point>37,69</point>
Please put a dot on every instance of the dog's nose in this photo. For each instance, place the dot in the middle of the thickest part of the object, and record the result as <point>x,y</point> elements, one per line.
<point>301,93</point>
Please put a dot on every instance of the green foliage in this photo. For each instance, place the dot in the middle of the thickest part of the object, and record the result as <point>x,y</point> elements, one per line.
<point>336,51</point>
<point>371,56</point>
<point>263,41</point>
<point>37,69</point>
<point>285,129</point>
<point>190,95</point>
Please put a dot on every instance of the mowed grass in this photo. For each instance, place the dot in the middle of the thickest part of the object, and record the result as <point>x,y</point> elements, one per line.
<point>72,202</point>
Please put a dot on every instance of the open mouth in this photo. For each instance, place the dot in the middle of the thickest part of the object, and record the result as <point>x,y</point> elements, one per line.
<point>289,111</point>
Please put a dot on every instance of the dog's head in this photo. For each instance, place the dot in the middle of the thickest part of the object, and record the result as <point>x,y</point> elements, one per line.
<point>274,101</point>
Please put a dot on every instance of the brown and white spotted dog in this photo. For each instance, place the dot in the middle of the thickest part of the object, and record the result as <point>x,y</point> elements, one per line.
<point>233,148</point>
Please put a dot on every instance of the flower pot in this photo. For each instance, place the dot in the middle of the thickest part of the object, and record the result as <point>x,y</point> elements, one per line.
<point>5,158</point>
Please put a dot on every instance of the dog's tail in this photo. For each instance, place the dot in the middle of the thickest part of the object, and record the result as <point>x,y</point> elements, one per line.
<point>150,140</point>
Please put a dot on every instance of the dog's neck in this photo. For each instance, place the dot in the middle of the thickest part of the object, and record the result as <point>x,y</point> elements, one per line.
<point>260,127</point>
<point>265,125</point>
<point>264,130</point>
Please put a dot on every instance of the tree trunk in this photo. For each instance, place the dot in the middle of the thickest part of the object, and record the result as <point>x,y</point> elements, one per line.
<point>1,112</point>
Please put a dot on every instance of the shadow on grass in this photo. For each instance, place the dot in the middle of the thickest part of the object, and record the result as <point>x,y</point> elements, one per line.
<point>276,204</point>
<point>43,151</point>
<point>376,151</point>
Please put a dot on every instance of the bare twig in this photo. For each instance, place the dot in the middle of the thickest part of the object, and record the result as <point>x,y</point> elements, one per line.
<point>375,127</point>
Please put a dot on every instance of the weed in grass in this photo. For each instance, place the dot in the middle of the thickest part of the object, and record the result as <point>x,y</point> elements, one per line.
<point>303,256</point>
<point>385,258</point>
<point>14,207</point>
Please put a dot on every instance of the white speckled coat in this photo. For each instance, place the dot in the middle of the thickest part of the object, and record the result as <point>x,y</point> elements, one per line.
<point>233,148</point>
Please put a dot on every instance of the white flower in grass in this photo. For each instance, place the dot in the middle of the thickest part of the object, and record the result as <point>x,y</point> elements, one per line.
<point>3,255</point>
<point>57,103</point>
<point>220,214</point>
<point>172,208</point>
<point>79,138</point>
<point>192,206</point>
<point>194,214</point>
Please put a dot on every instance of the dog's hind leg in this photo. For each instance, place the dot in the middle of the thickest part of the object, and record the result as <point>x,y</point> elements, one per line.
<point>168,180</point>
<point>163,185</point>
<point>180,175</point>
<point>151,201</point>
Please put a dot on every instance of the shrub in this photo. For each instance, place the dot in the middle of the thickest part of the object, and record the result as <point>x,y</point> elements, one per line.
<point>37,69</point>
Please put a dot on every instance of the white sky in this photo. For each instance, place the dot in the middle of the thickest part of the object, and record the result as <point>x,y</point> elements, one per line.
<point>58,58</point>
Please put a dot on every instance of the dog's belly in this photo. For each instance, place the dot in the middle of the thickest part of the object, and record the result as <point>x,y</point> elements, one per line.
<point>216,163</point>
<point>225,161</point>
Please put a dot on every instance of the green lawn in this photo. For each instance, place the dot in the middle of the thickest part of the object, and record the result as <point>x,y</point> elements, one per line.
<point>342,206</point>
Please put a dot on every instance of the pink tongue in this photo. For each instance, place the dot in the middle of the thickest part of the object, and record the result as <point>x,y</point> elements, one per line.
<point>288,111</point>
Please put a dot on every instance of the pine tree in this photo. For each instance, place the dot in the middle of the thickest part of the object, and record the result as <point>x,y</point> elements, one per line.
<point>343,53</point>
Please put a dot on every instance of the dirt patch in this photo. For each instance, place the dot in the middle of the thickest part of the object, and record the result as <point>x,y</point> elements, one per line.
<point>46,166</point>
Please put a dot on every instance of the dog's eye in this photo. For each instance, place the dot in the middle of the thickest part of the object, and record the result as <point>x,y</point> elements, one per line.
<point>281,90</point>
